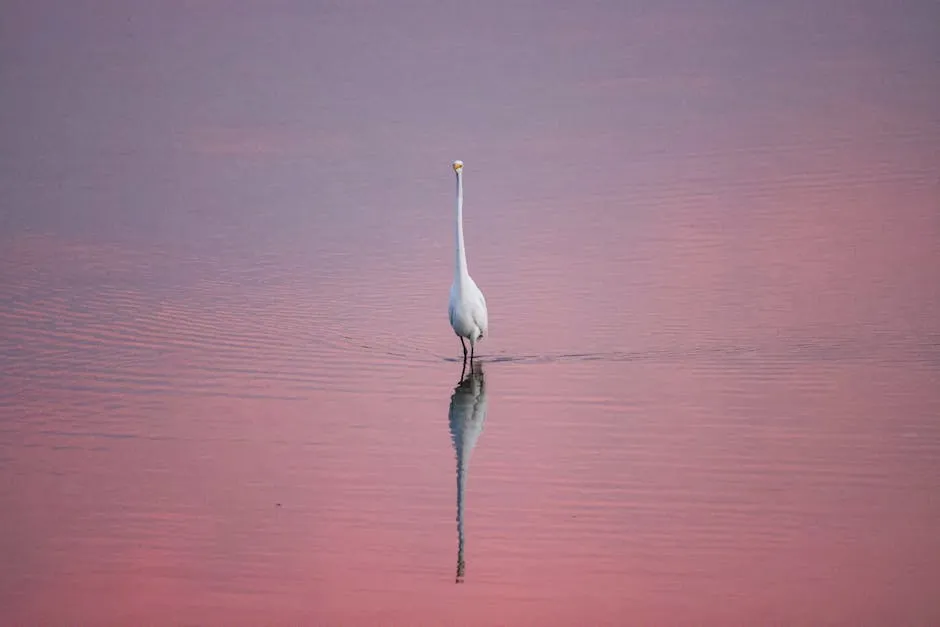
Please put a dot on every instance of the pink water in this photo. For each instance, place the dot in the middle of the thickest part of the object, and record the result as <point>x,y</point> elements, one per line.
<point>708,234</point>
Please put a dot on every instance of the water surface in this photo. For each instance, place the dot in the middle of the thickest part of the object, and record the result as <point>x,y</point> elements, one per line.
<point>708,234</point>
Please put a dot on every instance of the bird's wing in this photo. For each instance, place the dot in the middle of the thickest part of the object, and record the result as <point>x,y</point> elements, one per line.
<point>452,306</point>
<point>480,317</point>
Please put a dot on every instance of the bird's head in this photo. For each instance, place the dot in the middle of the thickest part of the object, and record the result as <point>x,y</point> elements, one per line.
<point>458,166</point>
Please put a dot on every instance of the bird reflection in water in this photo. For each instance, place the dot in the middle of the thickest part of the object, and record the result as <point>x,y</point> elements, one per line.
<point>467,415</point>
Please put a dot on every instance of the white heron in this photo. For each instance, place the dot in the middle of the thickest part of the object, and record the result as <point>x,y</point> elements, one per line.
<point>467,307</point>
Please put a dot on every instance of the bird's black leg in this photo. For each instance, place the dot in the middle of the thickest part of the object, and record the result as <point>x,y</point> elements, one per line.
<point>471,355</point>
<point>464,344</point>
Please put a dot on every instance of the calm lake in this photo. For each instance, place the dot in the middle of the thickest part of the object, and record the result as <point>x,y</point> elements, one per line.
<point>709,238</point>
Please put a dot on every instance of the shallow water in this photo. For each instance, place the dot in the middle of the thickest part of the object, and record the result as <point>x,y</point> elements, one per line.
<point>709,237</point>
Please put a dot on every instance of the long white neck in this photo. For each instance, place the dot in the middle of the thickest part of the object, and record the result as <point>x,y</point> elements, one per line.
<point>460,267</point>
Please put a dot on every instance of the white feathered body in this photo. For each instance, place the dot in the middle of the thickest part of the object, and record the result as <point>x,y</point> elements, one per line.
<point>467,310</point>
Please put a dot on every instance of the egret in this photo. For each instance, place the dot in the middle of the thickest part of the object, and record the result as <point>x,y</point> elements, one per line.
<point>467,306</point>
